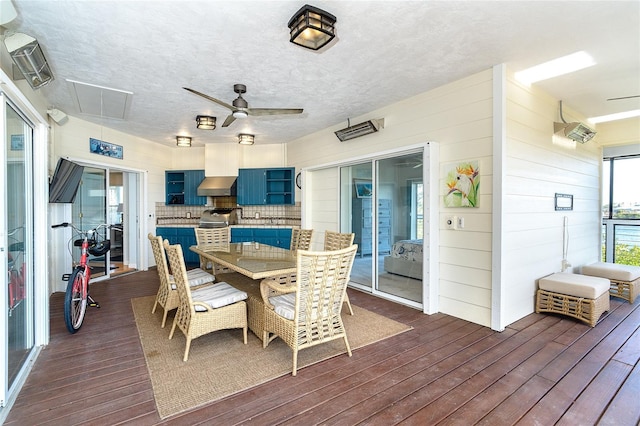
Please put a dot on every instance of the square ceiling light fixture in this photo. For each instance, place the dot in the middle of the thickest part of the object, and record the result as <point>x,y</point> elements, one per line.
<point>246,139</point>
<point>28,57</point>
<point>205,122</point>
<point>183,140</point>
<point>311,27</point>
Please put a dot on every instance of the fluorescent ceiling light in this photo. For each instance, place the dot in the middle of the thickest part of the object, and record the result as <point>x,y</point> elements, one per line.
<point>560,66</point>
<point>617,116</point>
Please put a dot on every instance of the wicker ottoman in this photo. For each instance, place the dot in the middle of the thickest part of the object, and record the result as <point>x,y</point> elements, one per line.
<point>578,296</point>
<point>625,279</point>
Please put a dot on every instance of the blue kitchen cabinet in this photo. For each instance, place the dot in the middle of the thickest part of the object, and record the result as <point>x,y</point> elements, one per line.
<point>182,187</point>
<point>186,237</point>
<point>251,187</point>
<point>270,186</point>
<point>277,237</point>
<point>280,186</point>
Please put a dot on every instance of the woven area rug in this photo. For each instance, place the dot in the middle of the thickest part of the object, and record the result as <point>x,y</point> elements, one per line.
<point>220,364</point>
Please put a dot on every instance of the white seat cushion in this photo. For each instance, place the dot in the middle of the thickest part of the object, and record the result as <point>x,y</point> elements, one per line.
<point>284,305</point>
<point>575,285</point>
<point>196,277</point>
<point>217,295</point>
<point>613,271</point>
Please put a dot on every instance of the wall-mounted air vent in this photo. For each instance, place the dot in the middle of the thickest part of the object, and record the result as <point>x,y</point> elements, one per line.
<point>361,129</point>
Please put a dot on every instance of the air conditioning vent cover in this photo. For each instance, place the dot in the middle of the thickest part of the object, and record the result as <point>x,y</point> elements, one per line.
<point>361,129</point>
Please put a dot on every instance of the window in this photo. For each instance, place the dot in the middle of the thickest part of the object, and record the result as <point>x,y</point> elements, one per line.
<point>621,210</point>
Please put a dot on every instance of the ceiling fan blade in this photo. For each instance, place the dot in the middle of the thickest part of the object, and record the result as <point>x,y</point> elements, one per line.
<point>274,111</point>
<point>230,119</point>
<point>624,97</point>
<point>219,102</point>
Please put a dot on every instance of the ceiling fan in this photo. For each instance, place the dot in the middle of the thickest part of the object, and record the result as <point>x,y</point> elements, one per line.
<point>240,108</point>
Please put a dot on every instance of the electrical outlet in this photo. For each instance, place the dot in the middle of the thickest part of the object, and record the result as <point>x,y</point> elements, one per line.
<point>460,223</point>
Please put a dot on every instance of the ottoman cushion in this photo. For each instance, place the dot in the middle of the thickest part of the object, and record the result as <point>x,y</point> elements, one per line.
<point>613,271</point>
<point>575,285</point>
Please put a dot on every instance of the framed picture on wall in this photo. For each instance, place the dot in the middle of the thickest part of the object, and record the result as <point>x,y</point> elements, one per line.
<point>363,188</point>
<point>99,147</point>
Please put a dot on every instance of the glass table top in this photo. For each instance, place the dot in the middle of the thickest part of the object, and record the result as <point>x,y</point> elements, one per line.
<point>254,260</point>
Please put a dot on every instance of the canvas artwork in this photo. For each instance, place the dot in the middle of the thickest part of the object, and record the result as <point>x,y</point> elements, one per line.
<point>462,184</point>
<point>97,146</point>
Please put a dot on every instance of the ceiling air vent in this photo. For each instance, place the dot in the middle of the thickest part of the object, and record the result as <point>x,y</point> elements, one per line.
<point>361,129</point>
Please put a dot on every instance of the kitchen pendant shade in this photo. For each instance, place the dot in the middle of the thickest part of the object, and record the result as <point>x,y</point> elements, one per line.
<point>311,27</point>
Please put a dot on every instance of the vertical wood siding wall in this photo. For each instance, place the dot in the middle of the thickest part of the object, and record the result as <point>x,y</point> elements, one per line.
<point>535,170</point>
<point>458,117</point>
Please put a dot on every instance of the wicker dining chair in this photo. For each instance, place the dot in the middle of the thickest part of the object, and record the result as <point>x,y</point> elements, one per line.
<point>204,310</point>
<point>336,241</point>
<point>303,308</point>
<point>167,296</point>
<point>215,237</point>
<point>301,239</point>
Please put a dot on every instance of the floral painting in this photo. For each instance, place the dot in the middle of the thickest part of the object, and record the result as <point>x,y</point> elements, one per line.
<point>462,184</point>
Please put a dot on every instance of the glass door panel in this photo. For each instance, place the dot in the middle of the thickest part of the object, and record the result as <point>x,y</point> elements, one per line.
<point>19,253</point>
<point>90,210</point>
<point>399,226</point>
<point>356,197</point>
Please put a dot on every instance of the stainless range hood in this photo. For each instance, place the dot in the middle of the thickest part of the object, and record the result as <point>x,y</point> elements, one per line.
<point>217,186</point>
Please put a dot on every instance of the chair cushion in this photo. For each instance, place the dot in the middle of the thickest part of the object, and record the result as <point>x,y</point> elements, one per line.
<point>613,271</point>
<point>217,295</point>
<point>196,277</point>
<point>575,285</point>
<point>284,305</point>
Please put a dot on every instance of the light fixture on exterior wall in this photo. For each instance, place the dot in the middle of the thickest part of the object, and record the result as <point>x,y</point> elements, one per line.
<point>311,27</point>
<point>576,131</point>
<point>205,122</point>
<point>183,140</point>
<point>28,57</point>
<point>246,139</point>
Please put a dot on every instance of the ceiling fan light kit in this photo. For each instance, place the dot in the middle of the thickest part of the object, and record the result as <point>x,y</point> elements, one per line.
<point>361,129</point>
<point>29,58</point>
<point>205,122</point>
<point>246,139</point>
<point>312,27</point>
<point>183,141</point>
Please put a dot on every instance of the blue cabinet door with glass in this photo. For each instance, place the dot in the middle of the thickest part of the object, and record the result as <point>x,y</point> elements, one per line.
<point>182,186</point>
<point>271,186</point>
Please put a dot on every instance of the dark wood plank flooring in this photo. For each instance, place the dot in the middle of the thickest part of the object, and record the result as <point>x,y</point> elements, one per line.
<point>541,370</point>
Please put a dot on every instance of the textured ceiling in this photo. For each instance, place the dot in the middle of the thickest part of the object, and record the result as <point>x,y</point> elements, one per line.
<point>384,52</point>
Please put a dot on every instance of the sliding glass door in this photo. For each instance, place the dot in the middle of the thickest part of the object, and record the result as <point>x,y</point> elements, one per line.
<point>386,200</point>
<point>18,256</point>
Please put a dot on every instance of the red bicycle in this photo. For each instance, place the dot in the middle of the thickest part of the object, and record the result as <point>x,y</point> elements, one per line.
<point>77,295</point>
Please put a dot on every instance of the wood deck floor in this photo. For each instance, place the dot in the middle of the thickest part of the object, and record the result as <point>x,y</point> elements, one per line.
<point>541,370</point>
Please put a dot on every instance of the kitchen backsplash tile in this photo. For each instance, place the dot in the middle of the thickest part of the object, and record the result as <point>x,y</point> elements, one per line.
<point>168,215</point>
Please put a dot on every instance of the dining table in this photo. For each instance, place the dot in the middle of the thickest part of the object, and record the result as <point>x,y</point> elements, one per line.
<point>252,259</point>
<point>255,261</point>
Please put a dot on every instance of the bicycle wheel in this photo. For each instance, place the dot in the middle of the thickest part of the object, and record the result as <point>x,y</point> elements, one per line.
<point>75,301</point>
